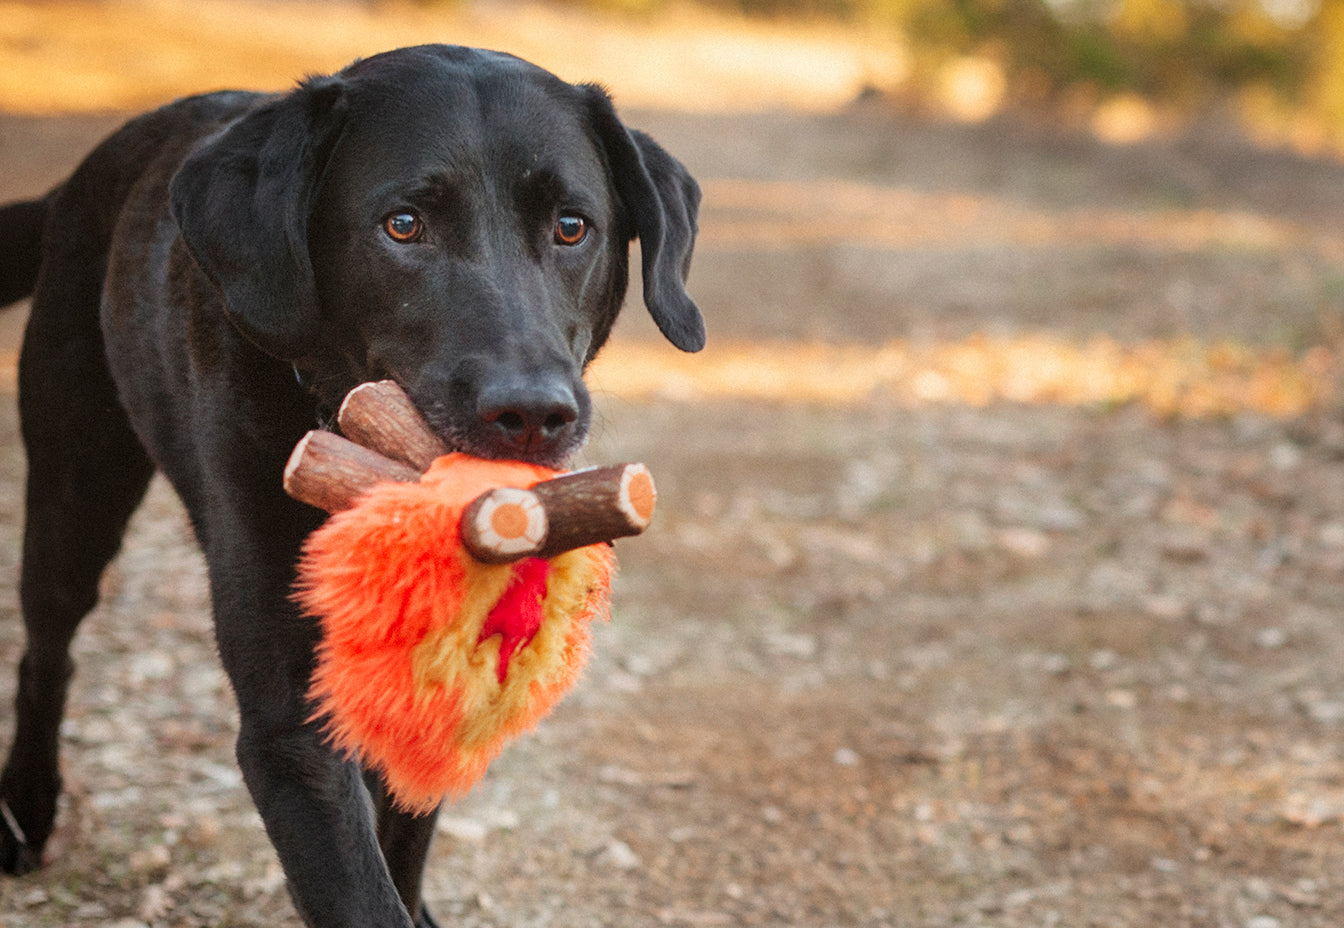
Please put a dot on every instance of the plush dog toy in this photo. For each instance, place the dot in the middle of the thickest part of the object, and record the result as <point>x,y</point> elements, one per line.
<point>454,593</point>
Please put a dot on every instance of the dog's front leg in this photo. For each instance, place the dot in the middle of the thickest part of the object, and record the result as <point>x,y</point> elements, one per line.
<point>317,815</point>
<point>312,801</point>
<point>405,838</point>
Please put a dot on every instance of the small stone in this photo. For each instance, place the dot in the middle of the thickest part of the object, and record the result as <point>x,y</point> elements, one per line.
<point>1259,888</point>
<point>1121,699</point>
<point>1271,639</point>
<point>148,666</point>
<point>617,775</point>
<point>155,903</point>
<point>205,830</point>
<point>228,871</point>
<point>270,881</point>
<point>1326,711</point>
<point>467,830</point>
<point>792,644</point>
<point>1285,456</point>
<point>34,897</point>
<point>619,855</point>
<point>1026,543</point>
<point>639,665</point>
<point>1166,607</point>
<point>1304,894</point>
<point>1103,659</point>
<point>503,819</point>
<point>155,857</point>
<point>1060,518</point>
<point>1056,665</point>
<point>1308,811</point>
<point>846,757</point>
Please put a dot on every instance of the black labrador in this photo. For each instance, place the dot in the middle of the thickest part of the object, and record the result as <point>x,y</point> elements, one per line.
<point>209,283</point>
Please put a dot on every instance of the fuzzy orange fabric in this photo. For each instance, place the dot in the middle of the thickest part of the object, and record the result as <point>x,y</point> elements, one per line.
<point>431,661</point>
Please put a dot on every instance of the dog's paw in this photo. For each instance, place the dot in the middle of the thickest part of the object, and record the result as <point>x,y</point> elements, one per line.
<point>16,857</point>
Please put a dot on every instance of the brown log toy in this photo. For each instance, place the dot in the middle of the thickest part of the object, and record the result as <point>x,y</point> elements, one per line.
<point>558,515</point>
<point>389,441</point>
<point>380,416</point>
<point>331,472</point>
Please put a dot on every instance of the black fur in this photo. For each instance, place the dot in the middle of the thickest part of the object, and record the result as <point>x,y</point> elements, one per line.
<point>213,278</point>
<point>22,253</point>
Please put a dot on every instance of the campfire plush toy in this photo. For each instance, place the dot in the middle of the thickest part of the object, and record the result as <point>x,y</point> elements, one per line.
<point>454,594</point>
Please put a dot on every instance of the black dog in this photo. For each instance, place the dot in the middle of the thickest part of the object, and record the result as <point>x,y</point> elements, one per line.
<point>207,286</point>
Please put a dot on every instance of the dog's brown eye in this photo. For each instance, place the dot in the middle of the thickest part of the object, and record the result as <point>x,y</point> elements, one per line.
<point>403,227</point>
<point>570,230</point>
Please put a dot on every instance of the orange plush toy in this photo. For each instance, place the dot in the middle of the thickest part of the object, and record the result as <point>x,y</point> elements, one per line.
<point>455,603</point>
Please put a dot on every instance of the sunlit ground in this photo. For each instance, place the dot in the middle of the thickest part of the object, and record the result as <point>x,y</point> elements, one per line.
<point>1172,378</point>
<point>785,215</point>
<point>1180,377</point>
<point>1183,378</point>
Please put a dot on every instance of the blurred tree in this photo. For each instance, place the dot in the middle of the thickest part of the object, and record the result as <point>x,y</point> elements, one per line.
<point>1326,90</point>
<point>1180,54</point>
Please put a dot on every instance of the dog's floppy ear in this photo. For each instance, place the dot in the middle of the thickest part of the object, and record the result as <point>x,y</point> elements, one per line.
<point>242,203</point>
<point>660,200</point>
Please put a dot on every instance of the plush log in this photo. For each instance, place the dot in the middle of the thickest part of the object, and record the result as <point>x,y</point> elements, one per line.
<point>387,440</point>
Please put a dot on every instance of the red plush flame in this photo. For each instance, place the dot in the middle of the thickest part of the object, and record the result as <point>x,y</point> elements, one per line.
<point>517,617</point>
<point>431,661</point>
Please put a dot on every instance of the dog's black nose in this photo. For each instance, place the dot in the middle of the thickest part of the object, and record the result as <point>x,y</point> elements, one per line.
<point>532,416</point>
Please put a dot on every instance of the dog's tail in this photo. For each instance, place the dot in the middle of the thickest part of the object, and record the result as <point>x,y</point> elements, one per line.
<point>21,226</point>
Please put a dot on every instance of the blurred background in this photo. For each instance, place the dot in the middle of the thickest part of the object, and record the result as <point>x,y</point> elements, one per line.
<point>1272,69</point>
<point>999,561</point>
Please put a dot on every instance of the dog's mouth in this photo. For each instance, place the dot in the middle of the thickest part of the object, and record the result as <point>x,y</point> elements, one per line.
<point>478,441</point>
<point>505,437</point>
<point>495,411</point>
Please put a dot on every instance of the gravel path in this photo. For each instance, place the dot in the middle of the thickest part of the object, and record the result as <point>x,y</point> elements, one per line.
<point>876,664</point>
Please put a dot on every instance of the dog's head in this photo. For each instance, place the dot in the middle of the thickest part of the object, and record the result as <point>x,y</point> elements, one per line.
<point>454,219</point>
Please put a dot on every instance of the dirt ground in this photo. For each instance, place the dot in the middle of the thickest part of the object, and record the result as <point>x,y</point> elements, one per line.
<point>877,663</point>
